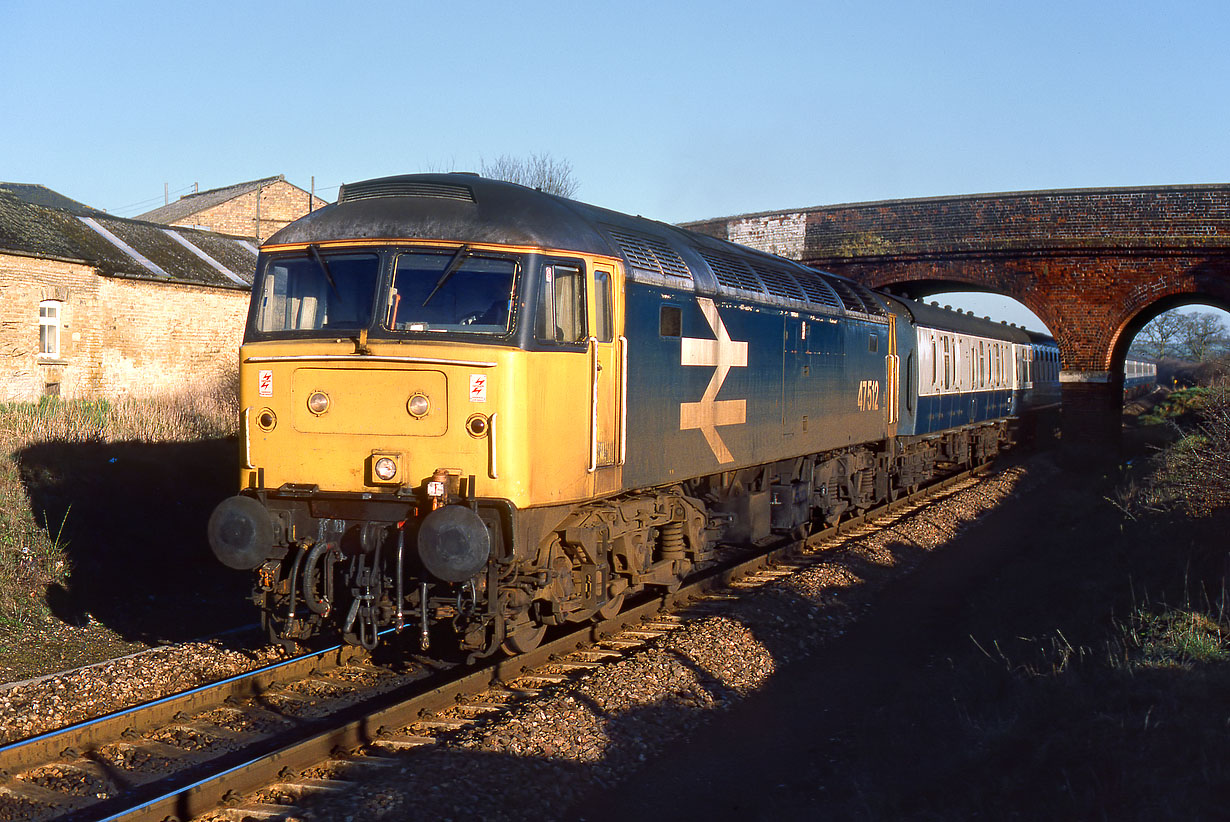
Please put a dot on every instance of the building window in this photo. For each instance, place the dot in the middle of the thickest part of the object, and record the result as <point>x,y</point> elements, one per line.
<point>49,329</point>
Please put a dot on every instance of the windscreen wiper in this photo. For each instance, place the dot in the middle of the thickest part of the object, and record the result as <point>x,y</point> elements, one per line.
<point>324,267</point>
<point>449,270</point>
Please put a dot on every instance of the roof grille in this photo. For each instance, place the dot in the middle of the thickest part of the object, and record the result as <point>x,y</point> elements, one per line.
<point>730,271</point>
<point>853,296</point>
<point>817,290</point>
<point>779,282</point>
<point>373,189</point>
<point>650,254</point>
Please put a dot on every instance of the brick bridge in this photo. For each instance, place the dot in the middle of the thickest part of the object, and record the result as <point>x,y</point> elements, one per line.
<point>1095,265</point>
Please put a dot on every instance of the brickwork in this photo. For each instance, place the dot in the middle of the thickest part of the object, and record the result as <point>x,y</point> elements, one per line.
<point>277,204</point>
<point>158,338</point>
<point>118,337</point>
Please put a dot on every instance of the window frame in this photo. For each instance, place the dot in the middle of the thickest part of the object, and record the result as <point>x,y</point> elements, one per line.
<point>385,302</point>
<point>546,292</point>
<point>48,321</point>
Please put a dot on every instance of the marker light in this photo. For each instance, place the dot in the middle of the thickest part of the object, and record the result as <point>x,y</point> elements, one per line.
<point>418,406</point>
<point>318,402</point>
<point>385,469</point>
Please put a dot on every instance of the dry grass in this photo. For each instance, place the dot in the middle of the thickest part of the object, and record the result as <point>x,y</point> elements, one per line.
<point>33,553</point>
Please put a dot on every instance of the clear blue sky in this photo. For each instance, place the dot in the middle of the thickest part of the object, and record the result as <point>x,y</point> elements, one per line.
<point>674,111</point>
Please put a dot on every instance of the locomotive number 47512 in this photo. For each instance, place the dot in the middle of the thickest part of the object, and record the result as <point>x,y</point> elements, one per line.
<point>869,395</point>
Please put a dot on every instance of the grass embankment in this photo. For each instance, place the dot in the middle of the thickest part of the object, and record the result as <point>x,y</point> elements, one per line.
<point>1089,678</point>
<point>35,554</point>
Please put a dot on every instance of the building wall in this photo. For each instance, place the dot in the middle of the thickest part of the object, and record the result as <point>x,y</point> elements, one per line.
<point>280,204</point>
<point>157,338</point>
<point>118,337</point>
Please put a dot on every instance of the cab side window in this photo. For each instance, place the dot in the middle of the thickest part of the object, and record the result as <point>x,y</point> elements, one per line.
<point>561,304</point>
<point>603,313</point>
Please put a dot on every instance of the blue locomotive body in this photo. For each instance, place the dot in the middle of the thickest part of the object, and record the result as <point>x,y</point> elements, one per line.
<point>792,386</point>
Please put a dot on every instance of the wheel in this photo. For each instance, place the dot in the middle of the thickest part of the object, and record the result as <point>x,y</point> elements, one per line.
<point>524,638</point>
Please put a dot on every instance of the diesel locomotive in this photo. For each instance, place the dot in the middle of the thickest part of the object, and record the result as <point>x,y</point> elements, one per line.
<point>476,410</point>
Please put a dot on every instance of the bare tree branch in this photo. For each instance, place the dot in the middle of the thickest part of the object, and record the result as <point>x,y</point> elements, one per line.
<point>540,171</point>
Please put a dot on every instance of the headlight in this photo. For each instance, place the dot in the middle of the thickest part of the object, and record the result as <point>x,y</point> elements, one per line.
<point>266,419</point>
<point>385,468</point>
<point>477,425</point>
<point>418,406</point>
<point>318,402</point>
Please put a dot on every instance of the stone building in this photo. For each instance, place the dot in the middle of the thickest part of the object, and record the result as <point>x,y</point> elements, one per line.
<point>253,209</point>
<point>98,306</point>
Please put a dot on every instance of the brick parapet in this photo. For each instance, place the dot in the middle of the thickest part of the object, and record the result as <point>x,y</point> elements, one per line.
<point>1173,217</point>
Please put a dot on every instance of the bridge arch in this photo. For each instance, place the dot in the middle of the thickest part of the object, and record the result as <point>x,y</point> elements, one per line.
<point>1132,325</point>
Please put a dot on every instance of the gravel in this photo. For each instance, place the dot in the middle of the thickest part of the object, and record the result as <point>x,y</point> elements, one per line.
<point>55,701</point>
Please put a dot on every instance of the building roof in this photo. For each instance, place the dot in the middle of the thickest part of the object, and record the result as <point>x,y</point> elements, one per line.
<point>41,195</point>
<point>191,204</point>
<point>120,247</point>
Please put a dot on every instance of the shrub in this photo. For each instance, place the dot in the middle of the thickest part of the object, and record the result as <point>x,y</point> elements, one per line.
<point>1193,475</point>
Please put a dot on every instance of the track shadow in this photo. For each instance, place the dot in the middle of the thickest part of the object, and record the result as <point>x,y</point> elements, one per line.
<point>132,516</point>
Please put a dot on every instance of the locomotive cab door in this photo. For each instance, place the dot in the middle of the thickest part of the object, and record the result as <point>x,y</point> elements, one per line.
<point>608,355</point>
<point>892,375</point>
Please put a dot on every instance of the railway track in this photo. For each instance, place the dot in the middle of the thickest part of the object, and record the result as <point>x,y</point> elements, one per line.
<point>187,754</point>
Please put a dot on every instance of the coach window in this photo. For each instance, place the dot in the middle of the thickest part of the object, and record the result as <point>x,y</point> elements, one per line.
<point>49,329</point>
<point>561,304</point>
<point>934,363</point>
<point>947,363</point>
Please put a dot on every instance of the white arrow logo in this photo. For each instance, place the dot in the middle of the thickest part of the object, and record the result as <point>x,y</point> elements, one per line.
<point>723,353</point>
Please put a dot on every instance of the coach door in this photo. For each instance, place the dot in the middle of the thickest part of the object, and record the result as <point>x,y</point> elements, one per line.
<point>608,354</point>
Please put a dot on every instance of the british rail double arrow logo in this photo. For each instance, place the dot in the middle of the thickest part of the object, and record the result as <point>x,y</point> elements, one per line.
<point>722,354</point>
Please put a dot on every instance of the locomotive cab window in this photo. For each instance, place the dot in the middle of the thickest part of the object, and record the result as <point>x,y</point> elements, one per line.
<point>316,291</point>
<point>561,304</point>
<point>603,310</point>
<point>873,343</point>
<point>451,291</point>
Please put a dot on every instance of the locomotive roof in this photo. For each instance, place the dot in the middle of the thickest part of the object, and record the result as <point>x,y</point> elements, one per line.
<point>472,209</point>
